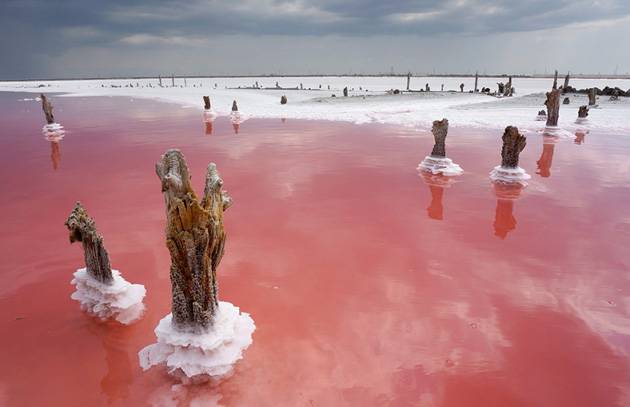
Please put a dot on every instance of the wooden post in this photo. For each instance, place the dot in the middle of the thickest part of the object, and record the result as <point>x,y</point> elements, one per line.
<point>160,78</point>
<point>408,80</point>
<point>592,97</point>
<point>476,81</point>
<point>508,87</point>
<point>513,144</point>
<point>83,229</point>
<point>553,107</point>
<point>234,106</point>
<point>195,238</point>
<point>439,130</point>
<point>566,83</point>
<point>283,100</point>
<point>555,81</point>
<point>172,80</point>
<point>206,103</point>
<point>345,91</point>
<point>47,108</point>
<point>583,112</point>
<point>461,87</point>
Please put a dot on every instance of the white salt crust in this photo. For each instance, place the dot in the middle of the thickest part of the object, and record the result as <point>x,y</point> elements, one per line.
<point>440,165</point>
<point>197,357</point>
<point>509,175</point>
<point>120,300</point>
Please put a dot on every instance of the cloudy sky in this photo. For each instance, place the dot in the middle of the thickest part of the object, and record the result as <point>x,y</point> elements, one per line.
<point>91,38</point>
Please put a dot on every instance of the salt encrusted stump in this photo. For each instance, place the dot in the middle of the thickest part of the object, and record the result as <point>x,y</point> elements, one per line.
<point>202,338</point>
<point>206,103</point>
<point>583,112</point>
<point>234,106</point>
<point>509,171</point>
<point>100,290</point>
<point>553,107</point>
<point>592,97</point>
<point>437,162</point>
<point>283,100</point>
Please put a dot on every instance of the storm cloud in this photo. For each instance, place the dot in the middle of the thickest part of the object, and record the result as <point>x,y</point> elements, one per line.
<point>41,38</point>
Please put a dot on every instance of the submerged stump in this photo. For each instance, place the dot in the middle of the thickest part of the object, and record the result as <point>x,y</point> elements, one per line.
<point>439,130</point>
<point>83,229</point>
<point>513,143</point>
<point>206,103</point>
<point>553,107</point>
<point>195,238</point>
<point>47,108</point>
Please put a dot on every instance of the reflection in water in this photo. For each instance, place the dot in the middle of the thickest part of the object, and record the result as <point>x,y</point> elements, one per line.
<point>55,154</point>
<point>236,119</point>
<point>579,136</point>
<point>54,135</point>
<point>436,184</point>
<point>208,119</point>
<point>546,158</point>
<point>504,220</point>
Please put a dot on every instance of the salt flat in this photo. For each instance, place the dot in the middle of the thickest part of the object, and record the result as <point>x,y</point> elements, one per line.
<point>368,101</point>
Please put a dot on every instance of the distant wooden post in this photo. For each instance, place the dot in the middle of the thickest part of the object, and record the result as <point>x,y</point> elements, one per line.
<point>234,106</point>
<point>345,91</point>
<point>172,80</point>
<point>48,109</point>
<point>592,97</point>
<point>283,100</point>
<point>160,79</point>
<point>553,107</point>
<point>583,112</point>
<point>508,87</point>
<point>461,87</point>
<point>476,81</point>
<point>427,88</point>
<point>185,83</point>
<point>566,83</point>
<point>206,102</point>
<point>566,101</point>
<point>555,80</point>
<point>408,80</point>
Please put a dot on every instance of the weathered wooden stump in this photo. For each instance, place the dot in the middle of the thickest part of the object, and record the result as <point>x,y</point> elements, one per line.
<point>195,237</point>
<point>345,91</point>
<point>555,80</point>
<point>566,101</point>
<point>47,108</point>
<point>461,87</point>
<point>565,87</point>
<point>439,130</point>
<point>542,113</point>
<point>283,100</point>
<point>476,81</point>
<point>553,107</point>
<point>206,103</point>
<point>408,80</point>
<point>508,87</point>
<point>427,88</point>
<point>583,112</point>
<point>234,106</point>
<point>83,229</point>
<point>592,97</point>
<point>501,88</point>
<point>513,144</point>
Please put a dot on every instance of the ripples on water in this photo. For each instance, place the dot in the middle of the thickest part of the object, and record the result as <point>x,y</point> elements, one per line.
<point>369,284</point>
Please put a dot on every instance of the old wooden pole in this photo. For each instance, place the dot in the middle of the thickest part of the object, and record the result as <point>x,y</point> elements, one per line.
<point>408,80</point>
<point>206,103</point>
<point>566,83</point>
<point>555,80</point>
<point>592,97</point>
<point>234,106</point>
<point>345,91</point>
<point>513,144</point>
<point>476,81</point>
<point>195,237</point>
<point>172,80</point>
<point>508,88</point>
<point>439,130</point>
<point>553,107</point>
<point>160,79</point>
<point>83,229</point>
<point>47,108</point>
<point>283,100</point>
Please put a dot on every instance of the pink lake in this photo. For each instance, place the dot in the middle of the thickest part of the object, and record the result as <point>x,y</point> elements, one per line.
<point>369,284</point>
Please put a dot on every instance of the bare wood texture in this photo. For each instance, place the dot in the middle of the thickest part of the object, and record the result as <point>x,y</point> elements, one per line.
<point>195,237</point>
<point>513,144</point>
<point>583,112</point>
<point>206,103</point>
<point>553,107</point>
<point>83,229</point>
<point>47,108</point>
<point>439,130</point>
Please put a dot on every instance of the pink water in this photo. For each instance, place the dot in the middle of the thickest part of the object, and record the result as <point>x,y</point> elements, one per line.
<point>369,284</point>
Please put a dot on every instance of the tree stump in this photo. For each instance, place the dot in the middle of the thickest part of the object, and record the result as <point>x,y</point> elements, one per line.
<point>427,88</point>
<point>583,112</point>
<point>345,91</point>
<point>592,97</point>
<point>47,108</point>
<point>513,144</point>
<point>508,88</point>
<point>234,106</point>
<point>461,87</point>
<point>566,101</point>
<point>555,80</point>
<point>553,107</point>
<point>501,88</point>
<point>439,130</point>
<point>283,100</point>
<point>83,229</point>
<point>195,238</point>
<point>206,102</point>
<point>565,87</point>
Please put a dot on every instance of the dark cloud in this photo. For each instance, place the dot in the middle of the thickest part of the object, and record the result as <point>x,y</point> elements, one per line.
<point>32,32</point>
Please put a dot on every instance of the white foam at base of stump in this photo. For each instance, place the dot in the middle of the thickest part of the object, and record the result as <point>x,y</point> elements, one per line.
<point>120,300</point>
<point>440,165</point>
<point>509,175</point>
<point>211,354</point>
